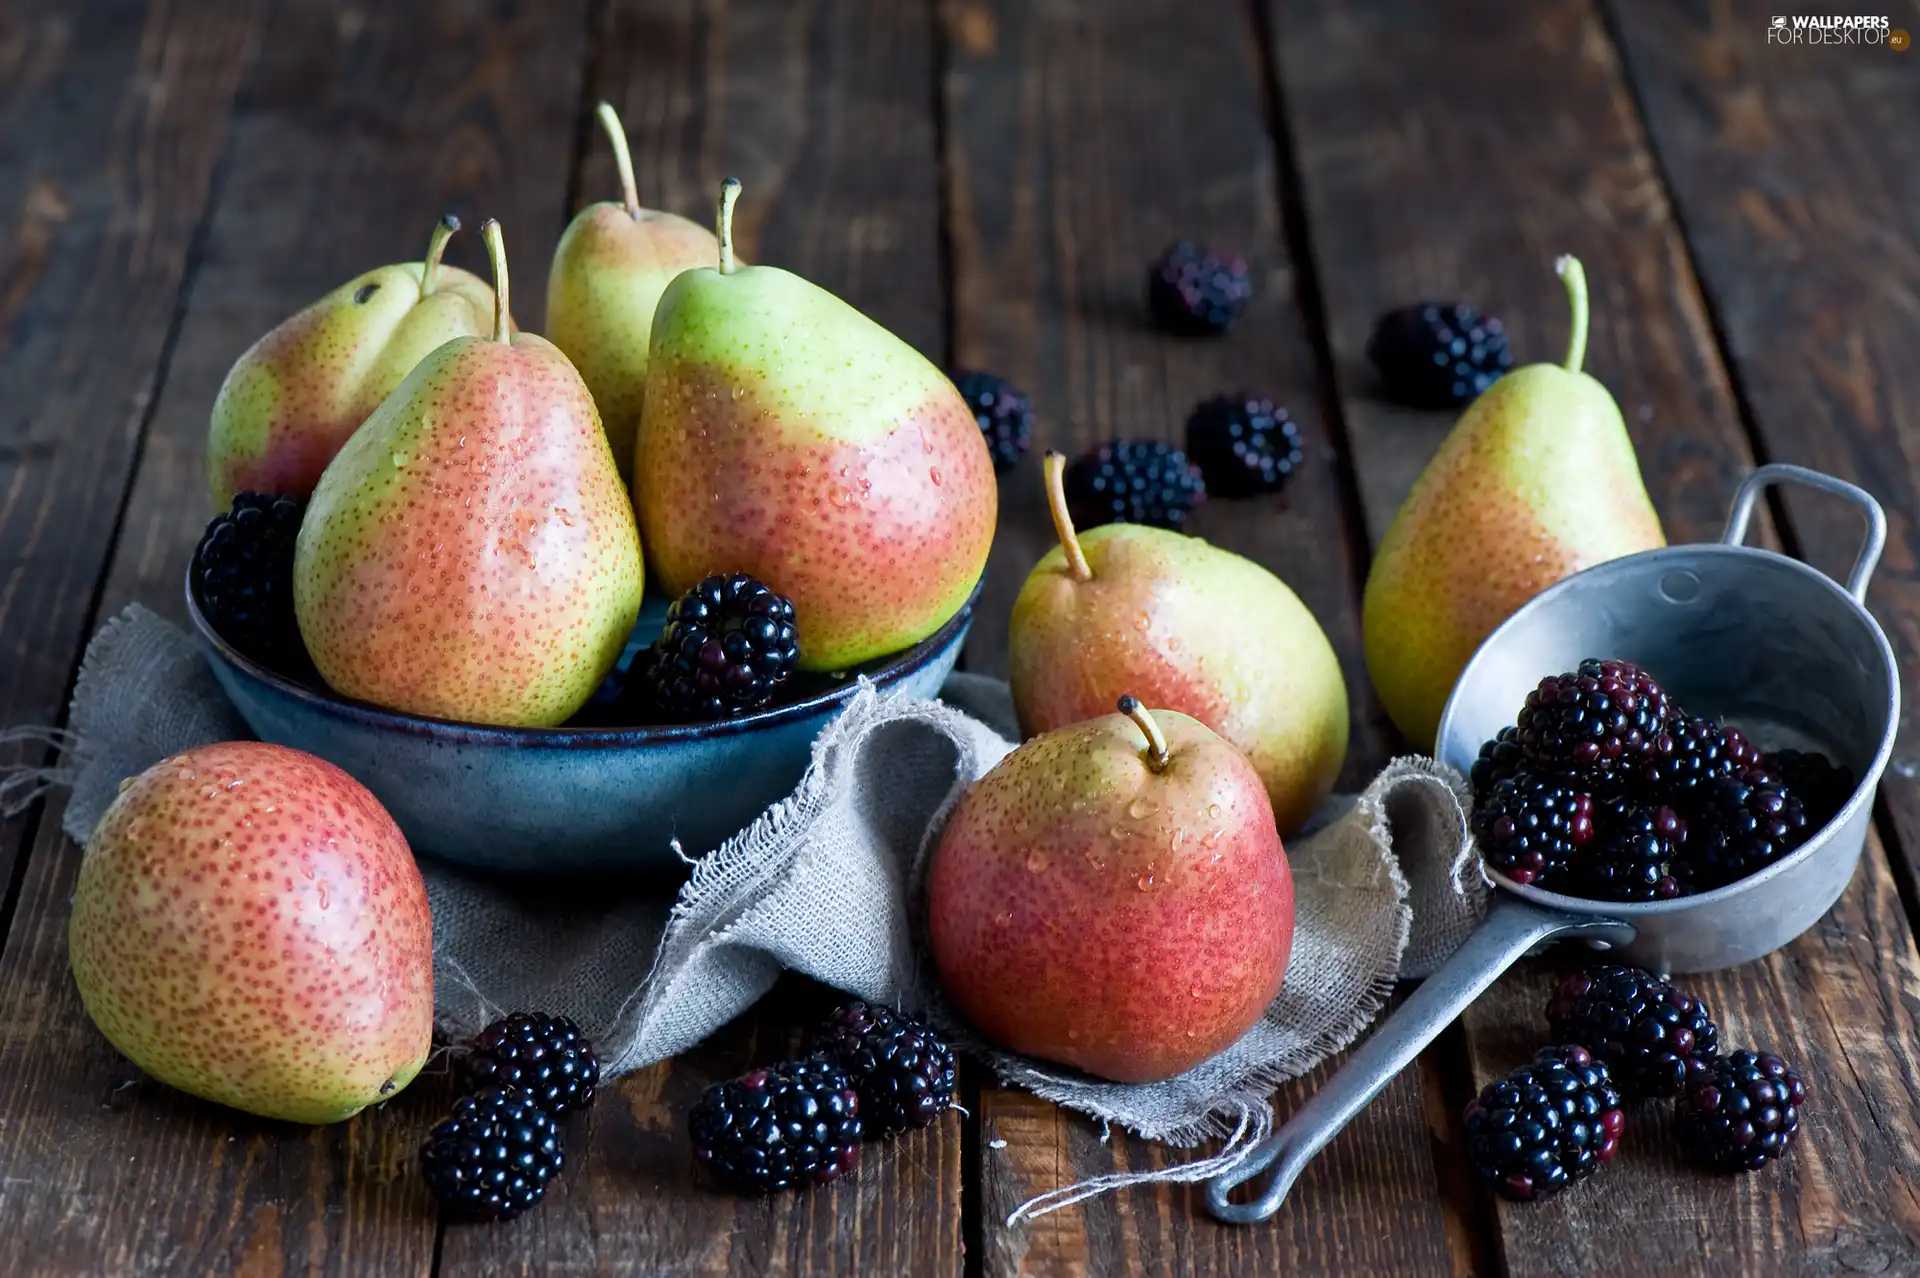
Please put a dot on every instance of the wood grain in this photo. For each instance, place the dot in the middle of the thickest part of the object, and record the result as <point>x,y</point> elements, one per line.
<point>1537,150</point>
<point>1067,174</point>
<point>824,113</point>
<point>354,129</point>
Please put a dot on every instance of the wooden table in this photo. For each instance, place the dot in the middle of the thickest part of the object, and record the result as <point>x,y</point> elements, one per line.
<point>988,178</point>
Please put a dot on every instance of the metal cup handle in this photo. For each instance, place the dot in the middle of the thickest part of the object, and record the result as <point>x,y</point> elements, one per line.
<point>1512,928</point>
<point>1776,473</point>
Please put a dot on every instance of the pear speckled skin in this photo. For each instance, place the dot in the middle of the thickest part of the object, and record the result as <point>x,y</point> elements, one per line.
<point>1086,909</point>
<point>249,926</point>
<point>294,397</point>
<point>788,436</point>
<point>1537,481</point>
<point>470,554</point>
<point>1180,623</point>
<point>608,274</point>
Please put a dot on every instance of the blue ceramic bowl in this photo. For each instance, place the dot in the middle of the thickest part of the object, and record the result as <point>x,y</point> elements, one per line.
<point>570,800</point>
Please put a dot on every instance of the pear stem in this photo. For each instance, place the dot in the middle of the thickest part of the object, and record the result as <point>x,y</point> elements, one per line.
<point>1575,277</point>
<point>497,254</point>
<point>442,232</point>
<point>1156,755</point>
<point>622,156</point>
<point>1054,467</point>
<point>723,223</point>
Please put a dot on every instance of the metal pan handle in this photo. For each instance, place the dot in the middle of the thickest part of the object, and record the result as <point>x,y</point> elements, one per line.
<point>1512,928</point>
<point>1778,473</point>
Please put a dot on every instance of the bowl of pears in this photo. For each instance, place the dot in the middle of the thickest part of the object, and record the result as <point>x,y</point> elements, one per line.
<point>578,603</point>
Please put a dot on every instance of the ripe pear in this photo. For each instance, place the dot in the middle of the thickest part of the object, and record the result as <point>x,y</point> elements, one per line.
<point>249,926</point>
<point>1536,481</point>
<point>297,394</point>
<point>1190,627</point>
<point>788,436</point>
<point>1114,896</point>
<point>470,553</point>
<point>608,272</point>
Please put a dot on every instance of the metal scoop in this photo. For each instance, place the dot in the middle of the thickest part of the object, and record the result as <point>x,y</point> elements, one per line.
<point>1756,638</point>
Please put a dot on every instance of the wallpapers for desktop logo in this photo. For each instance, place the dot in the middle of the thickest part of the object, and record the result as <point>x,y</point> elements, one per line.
<point>1836,29</point>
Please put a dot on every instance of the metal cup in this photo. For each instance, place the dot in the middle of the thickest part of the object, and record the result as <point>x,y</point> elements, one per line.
<point>1759,639</point>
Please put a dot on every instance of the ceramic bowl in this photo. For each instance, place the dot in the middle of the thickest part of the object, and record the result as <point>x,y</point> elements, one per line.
<point>571,800</point>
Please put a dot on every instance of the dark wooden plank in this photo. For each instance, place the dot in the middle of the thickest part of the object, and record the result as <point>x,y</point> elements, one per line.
<point>1081,142</point>
<point>354,129</point>
<point>1538,150</point>
<point>112,120</point>
<point>825,113</point>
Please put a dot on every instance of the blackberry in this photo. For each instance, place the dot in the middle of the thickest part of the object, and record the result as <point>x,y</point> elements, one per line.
<point>1594,725</point>
<point>1195,292</point>
<point>546,1057</point>
<point>776,1127</point>
<point>1004,413</point>
<point>1698,754</point>
<point>902,1071</point>
<point>1499,759</point>
<point>1631,855</point>
<point>728,645</point>
<point>1746,756</point>
<point>492,1157</point>
<point>1822,786</point>
<point>1643,1028</point>
<point>1736,827</point>
<point>1133,482</point>
<point>1438,354</point>
<point>1528,828</point>
<point>243,578</point>
<point>1545,1125</point>
<point>1738,1112</point>
<point>1244,444</point>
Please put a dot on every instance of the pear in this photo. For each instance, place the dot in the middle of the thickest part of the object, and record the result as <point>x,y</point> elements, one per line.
<point>1188,626</point>
<point>470,553</point>
<point>290,402</point>
<point>1536,481</point>
<point>1114,896</point>
<point>249,926</point>
<point>608,272</point>
<point>787,436</point>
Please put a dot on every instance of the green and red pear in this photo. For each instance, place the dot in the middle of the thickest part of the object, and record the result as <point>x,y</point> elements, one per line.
<point>470,554</point>
<point>294,397</point>
<point>787,436</point>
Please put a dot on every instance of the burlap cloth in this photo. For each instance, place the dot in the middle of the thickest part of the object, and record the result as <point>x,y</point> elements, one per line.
<point>826,883</point>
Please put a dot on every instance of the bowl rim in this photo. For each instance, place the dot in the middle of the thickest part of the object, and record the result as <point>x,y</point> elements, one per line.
<point>880,670</point>
<point>1864,791</point>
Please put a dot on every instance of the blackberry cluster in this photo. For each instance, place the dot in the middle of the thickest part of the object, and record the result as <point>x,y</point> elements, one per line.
<point>1195,292</point>
<point>1738,1112</point>
<point>1003,412</point>
<point>1133,482</point>
<point>1545,1126</point>
<point>904,1074</point>
<point>1674,803</point>
<point>492,1157</point>
<point>243,579</point>
<point>1646,1030</point>
<point>1438,354</point>
<point>1245,445</point>
<point>545,1057</point>
<point>728,646</point>
<point>872,1071</point>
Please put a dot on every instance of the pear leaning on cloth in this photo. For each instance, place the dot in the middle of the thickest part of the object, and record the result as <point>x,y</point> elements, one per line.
<point>608,272</point>
<point>788,436</point>
<point>291,401</point>
<point>470,554</point>
<point>1537,481</point>
<point>1185,626</point>
<point>249,926</point>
